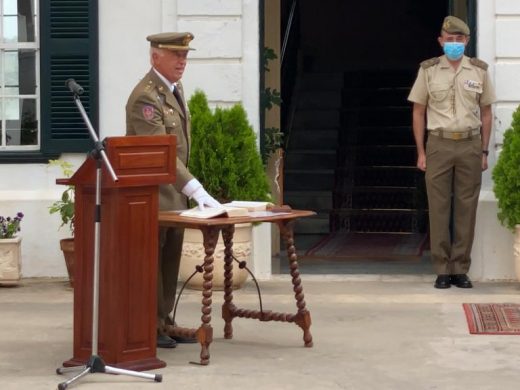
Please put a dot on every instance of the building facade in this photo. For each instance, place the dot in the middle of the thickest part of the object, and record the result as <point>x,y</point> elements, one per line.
<point>226,65</point>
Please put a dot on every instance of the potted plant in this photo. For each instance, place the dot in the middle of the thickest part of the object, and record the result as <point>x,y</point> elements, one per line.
<point>65,207</point>
<point>225,159</point>
<point>506,177</point>
<point>10,250</point>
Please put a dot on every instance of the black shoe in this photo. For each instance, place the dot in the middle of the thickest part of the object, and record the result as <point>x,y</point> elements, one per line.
<point>461,281</point>
<point>442,281</point>
<point>164,341</point>
<point>184,340</point>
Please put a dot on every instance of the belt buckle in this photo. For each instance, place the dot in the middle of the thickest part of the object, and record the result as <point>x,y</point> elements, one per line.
<point>456,135</point>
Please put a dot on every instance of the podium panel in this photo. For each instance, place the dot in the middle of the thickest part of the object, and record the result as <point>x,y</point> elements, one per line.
<point>128,252</point>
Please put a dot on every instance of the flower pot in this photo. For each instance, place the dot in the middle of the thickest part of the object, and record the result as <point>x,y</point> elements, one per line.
<point>10,261</point>
<point>193,255</point>
<point>516,251</point>
<point>67,247</point>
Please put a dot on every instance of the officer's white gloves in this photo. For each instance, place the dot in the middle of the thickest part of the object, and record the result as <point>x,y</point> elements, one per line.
<point>194,190</point>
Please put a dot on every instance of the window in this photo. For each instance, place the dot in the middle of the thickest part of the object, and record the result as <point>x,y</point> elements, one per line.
<point>19,61</point>
<point>42,44</point>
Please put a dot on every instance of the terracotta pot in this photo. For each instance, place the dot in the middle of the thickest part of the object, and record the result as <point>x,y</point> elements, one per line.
<point>10,261</point>
<point>67,246</point>
<point>193,255</point>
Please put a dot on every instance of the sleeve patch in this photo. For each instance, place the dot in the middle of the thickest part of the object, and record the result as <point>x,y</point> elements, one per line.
<point>148,112</point>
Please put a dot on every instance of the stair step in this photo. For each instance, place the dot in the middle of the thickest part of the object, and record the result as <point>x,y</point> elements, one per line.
<point>320,99</point>
<point>384,135</point>
<point>310,119</point>
<point>305,139</point>
<point>308,179</point>
<point>309,200</point>
<point>370,97</point>
<point>377,116</point>
<point>386,176</point>
<point>379,198</point>
<point>321,81</point>
<point>315,159</point>
<point>373,155</point>
<point>317,224</point>
<point>379,220</point>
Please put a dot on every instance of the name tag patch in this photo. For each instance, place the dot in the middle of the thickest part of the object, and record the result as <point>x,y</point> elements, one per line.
<point>473,86</point>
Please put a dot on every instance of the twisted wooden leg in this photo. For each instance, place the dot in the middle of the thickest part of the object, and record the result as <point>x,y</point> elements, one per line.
<point>303,317</point>
<point>205,332</point>
<point>227,307</point>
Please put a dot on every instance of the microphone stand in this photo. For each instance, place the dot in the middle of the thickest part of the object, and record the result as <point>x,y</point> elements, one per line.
<point>95,363</point>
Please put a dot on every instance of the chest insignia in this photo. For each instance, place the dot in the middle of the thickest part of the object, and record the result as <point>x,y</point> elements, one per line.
<point>472,85</point>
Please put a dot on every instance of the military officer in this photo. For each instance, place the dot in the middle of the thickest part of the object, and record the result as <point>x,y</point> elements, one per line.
<point>452,99</point>
<point>157,106</point>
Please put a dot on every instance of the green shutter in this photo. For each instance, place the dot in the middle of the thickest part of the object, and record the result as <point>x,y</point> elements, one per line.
<point>69,49</point>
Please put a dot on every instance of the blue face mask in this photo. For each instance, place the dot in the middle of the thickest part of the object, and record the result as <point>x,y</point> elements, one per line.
<point>453,50</point>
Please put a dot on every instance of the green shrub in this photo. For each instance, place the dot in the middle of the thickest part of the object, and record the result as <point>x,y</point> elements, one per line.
<point>506,176</point>
<point>224,156</point>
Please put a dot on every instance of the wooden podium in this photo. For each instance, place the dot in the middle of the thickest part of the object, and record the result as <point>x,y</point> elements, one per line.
<point>128,251</point>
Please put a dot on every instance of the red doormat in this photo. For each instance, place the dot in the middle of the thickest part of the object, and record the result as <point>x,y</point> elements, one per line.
<point>493,318</point>
<point>365,246</point>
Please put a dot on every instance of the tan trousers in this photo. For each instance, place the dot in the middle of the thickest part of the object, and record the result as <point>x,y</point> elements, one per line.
<point>452,168</point>
<point>170,249</point>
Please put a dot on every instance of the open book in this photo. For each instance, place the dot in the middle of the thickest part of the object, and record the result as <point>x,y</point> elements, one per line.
<point>237,208</point>
<point>210,212</point>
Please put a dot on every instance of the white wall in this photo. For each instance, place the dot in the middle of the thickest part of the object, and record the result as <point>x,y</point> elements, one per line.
<point>497,44</point>
<point>225,65</point>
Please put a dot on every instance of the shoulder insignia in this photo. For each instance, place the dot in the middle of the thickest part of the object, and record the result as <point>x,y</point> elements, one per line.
<point>481,64</point>
<point>429,63</point>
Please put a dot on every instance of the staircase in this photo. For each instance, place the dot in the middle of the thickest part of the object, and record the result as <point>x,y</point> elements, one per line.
<point>377,186</point>
<point>310,163</point>
<point>351,156</point>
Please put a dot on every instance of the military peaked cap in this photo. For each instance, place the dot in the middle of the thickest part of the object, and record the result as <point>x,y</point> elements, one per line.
<point>171,40</point>
<point>454,25</point>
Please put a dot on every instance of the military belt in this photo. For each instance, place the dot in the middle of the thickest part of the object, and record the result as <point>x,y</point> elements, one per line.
<point>455,135</point>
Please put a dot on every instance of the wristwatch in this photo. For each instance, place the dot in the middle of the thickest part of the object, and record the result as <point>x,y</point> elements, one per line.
<point>486,152</point>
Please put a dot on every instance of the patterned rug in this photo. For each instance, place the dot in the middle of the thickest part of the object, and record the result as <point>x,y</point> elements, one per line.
<point>364,246</point>
<point>493,318</point>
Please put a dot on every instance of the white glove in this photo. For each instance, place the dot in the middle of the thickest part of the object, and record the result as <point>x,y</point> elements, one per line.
<point>194,190</point>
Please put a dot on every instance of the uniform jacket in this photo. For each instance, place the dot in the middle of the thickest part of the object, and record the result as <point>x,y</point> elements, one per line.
<point>453,97</point>
<point>152,109</point>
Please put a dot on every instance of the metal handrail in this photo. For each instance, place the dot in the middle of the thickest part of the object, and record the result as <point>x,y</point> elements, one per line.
<point>287,31</point>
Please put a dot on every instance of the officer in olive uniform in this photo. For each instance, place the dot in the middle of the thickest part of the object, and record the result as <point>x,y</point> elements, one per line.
<point>452,99</point>
<point>157,106</point>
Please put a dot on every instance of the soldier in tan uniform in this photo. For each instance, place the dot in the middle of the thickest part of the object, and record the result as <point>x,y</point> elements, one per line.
<point>452,99</point>
<point>157,106</point>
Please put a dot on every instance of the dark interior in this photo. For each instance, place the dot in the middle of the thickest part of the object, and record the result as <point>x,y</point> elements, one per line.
<point>350,153</point>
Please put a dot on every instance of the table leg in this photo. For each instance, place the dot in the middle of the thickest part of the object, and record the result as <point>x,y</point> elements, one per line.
<point>205,332</point>
<point>228,307</point>
<point>303,317</point>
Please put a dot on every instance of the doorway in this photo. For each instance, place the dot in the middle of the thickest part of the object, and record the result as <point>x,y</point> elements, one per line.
<point>350,152</point>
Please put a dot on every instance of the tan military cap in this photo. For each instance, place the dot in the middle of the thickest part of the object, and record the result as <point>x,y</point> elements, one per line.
<point>454,25</point>
<point>171,40</point>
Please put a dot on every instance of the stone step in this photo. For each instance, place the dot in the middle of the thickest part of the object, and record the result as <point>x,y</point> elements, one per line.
<point>317,224</point>
<point>379,176</point>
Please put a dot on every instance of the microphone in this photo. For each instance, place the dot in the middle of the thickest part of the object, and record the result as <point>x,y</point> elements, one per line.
<point>74,87</point>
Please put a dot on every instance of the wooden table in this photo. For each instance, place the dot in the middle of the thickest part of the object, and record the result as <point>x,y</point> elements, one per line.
<point>210,229</point>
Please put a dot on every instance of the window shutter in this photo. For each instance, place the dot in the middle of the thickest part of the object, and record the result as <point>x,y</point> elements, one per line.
<point>69,49</point>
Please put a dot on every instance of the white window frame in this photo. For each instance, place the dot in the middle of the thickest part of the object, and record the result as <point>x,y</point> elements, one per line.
<point>17,46</point>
